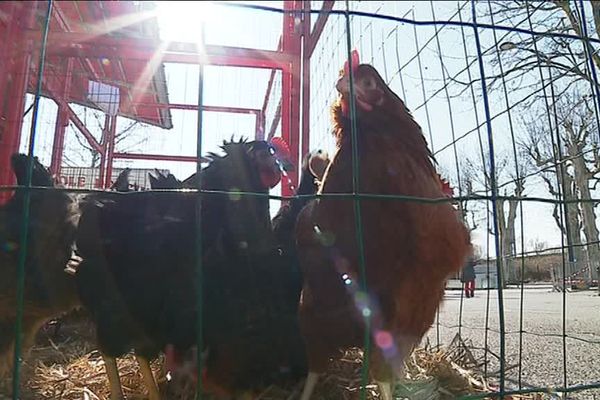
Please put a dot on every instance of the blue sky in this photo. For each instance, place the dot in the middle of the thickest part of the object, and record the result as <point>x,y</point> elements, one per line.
<point>385,44</point>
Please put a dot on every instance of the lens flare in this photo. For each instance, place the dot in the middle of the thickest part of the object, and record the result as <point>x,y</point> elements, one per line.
<point>384,340</point>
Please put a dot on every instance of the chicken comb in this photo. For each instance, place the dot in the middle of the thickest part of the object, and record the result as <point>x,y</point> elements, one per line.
<point>282,150</point>
<point>355,62</point>
<point>446,188</point>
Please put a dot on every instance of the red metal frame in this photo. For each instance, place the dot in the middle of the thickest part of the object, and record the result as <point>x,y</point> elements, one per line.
<point>305,139</point>
<point>191,107</point>
<point>18,77</point>
<point>110,149</point>
<point>86,63</point>
<point>107,158</point>
<point>6,62</point>
<point>15,75</point>
<point>194,107</point>
<point>292,57</point>
<point>72,44</point>
<point>159,157</point>
<point>82,128</point>
<point>62,121</point>
<point>290,106</point>
<point>103,159</point>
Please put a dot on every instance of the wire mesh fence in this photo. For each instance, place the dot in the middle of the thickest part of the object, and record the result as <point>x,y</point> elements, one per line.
<point>506,94</point>
<point>446,31</point>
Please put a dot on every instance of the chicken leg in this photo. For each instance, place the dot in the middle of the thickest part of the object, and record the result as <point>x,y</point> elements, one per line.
<point>148,377</point>
<point>387,370</point>
<point>309,385</point>
<point>110,364</point>
<point>385,388</point>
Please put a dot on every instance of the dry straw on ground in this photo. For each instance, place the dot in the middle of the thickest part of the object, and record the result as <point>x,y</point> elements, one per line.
<point>70,369</point>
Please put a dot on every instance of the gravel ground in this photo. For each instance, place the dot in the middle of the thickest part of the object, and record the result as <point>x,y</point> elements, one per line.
<point>542,342</point>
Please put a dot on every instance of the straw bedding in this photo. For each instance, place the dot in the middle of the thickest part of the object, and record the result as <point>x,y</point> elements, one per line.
<point>66,366</point>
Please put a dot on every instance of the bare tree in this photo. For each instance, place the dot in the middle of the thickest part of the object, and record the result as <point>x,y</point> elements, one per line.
<point>554,75</point>
<point>538,245</point>
<point>506,206</point>
<point>521,54</point>
<point>570,165</point>
<point>87,153</point>
<point>467,206</point>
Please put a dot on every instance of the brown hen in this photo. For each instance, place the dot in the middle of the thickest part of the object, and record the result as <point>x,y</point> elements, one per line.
<point>410,247</point>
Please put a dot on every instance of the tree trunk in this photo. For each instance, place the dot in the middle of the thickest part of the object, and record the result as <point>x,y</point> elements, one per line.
<point>511,237</point>
<point>590,229</point>
<point>572,219</point>
<point>502,253</point>
<point>574,22</point>
<point>509,241</point>
<point>506,233</point>
<point>596,12</point>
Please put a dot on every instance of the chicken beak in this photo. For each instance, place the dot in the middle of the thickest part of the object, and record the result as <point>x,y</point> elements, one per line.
<point>342,85</point>
<point>287,165</point>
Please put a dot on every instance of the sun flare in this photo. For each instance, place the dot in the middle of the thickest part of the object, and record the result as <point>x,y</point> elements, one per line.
<point>181,21</point>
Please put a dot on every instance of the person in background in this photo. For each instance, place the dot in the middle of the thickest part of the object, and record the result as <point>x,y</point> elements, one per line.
<point>468,277</point>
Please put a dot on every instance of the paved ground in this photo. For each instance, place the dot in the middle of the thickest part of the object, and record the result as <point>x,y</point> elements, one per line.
<point>542,346</point>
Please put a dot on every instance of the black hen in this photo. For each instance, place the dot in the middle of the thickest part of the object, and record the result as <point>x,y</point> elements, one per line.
<point>314,165</point>
<point>122,182</point>
<point>250,349</point>
<point>286,270</point>
<point>49,291</point>
<point>160,181</point>
<point>137,277</point>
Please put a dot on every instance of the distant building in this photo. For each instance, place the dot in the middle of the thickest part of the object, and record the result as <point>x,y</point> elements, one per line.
<point>545,266</point>
<point>484,278</point>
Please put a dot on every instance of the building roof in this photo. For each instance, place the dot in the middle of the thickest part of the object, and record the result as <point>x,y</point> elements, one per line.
<point>142,82</point>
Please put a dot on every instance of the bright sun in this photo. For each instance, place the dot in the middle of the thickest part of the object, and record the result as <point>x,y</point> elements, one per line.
<point>182,20</point>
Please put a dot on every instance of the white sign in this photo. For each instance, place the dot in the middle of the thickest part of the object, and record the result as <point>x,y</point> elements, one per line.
<point>89,178</point>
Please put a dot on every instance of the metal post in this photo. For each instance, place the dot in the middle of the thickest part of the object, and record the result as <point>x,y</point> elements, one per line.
<point>259,126</point>
<point>6,60</point>
<point>290,107</point>
<point>110,149</point>
<point>306,78</point>
<point>103,151</point>
<point>15,89</point>
<point>62,121</point>
<point>25,220</point>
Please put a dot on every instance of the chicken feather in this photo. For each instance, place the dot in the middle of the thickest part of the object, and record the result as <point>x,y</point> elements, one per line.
<point>410,247</point>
